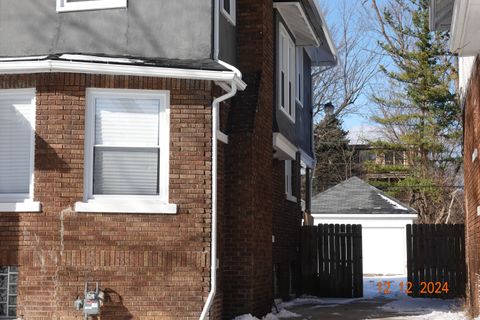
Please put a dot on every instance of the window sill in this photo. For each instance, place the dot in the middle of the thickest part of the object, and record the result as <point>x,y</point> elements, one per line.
<point>291,198</point>
<point>27,206</point>
<point>126,206</point>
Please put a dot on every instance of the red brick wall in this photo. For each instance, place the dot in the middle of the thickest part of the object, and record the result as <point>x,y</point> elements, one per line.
<point>287,220</point>
<point>472,195</point>
<point>248,213</point>
<point>152,266</point>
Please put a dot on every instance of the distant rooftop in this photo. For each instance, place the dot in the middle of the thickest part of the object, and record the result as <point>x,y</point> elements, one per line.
<point>355,196</point>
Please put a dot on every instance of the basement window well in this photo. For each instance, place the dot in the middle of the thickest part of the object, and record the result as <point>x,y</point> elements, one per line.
<point>83,5</point>
<point>8,292</point>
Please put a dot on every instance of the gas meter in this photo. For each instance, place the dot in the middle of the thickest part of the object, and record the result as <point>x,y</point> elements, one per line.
<point>92,300</point>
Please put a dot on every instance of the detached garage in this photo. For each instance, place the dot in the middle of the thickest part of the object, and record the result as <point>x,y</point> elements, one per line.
<point>383,221</point>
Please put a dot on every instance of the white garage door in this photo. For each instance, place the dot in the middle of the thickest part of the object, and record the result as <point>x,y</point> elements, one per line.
<point>384,251</point>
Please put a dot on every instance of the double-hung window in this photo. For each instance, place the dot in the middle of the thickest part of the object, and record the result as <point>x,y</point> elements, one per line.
<point>286,73</point>
<point>17,141</point>
<point>229,10</point>
<point>127,152</point>
<point>81,5</point>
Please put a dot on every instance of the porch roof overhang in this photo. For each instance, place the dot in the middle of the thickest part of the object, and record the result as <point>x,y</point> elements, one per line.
<point>128,66</point>
<point>305,20</point>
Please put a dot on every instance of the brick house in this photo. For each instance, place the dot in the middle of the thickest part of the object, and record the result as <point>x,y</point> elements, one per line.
<point>461,18</point>
<point>134,153</point>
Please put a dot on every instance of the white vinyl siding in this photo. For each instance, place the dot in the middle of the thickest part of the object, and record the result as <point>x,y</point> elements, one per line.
<point>286,73</point>
<point>17,139</point>
<point>229,10</point>
<point>81,5</point>
<point>127,148</point>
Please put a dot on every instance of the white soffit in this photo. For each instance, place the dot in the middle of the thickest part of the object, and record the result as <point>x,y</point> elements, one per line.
<point>298,23</point>
<point>465,28</point>
<point>285,150</point>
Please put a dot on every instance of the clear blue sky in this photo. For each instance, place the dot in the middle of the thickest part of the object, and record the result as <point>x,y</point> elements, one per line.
<point>333,18</point>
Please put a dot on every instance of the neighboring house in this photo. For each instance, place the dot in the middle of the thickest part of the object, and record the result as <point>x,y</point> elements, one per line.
<point>383,221</point>
<point>376,164</point>
<point>460,17</point>
<point>125,160</point>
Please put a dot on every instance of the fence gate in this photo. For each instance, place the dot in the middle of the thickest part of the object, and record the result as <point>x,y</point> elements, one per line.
<point>436,260</point>
<point>332,260</point>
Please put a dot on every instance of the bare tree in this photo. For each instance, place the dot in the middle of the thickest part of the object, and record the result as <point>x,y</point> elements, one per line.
<point>345,83</point>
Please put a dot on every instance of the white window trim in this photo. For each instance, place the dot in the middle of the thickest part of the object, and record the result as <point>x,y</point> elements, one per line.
<point>288,73</point>
<point>299,78</point>
<point>232,16</point>
<point>157,204</point>
<point>23,202</point>
<point>289,181</point>
<point>65,5</point>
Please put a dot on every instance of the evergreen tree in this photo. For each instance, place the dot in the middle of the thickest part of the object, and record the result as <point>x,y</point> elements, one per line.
<point>332,153</point>
<point>420,112</point>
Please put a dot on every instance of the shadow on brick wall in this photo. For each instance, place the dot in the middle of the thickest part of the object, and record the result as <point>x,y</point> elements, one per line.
<point>47,157</point>
<point>113,307</point>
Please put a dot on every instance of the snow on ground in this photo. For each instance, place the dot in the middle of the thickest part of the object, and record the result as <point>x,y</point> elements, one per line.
<point>271,316</point>
<point>383,287</point>
<point>394,288</point>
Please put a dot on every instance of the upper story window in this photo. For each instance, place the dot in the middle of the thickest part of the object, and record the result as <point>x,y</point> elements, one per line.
<point>127,151</point>
<point>80,5</point>
<point>300,80</point>
<point>286,73</point>
<point>229,10</point>
<point>289,181</point>
<point>17,141</point>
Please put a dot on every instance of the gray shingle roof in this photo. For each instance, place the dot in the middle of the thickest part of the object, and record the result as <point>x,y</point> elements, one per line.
<point>355,196</point>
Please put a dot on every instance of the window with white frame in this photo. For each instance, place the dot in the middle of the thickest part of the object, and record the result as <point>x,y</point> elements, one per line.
<point>289,180</point>
<point>229,10</point>
<point>299,78</point>
<point>17,140</point>
<point>127,145</point>
<point>286,73</point>
<point>8,292</point>
<point>80,5</point>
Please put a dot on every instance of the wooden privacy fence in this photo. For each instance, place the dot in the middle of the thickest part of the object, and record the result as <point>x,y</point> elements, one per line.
<point>332,260</point>
<point>436,260</point>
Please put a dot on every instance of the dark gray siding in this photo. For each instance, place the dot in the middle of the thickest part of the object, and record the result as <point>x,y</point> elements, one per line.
<point>179,29</point>
<point>282,123</point>
<point>227,41</point>
<point>304,115</point>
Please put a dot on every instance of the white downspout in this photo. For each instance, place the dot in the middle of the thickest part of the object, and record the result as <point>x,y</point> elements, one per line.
<point>213,268</point>
<point>231,91</point>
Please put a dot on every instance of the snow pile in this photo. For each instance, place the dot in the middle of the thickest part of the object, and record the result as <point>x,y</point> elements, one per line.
<point>414,305</point>
<point>395,204</point>
<point>318,302</point>
<point>271,316</point>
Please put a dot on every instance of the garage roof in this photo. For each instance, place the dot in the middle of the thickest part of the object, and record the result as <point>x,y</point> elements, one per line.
<point>355,196</point>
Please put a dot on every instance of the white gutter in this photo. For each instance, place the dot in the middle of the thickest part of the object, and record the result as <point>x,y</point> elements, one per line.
<point>47,66</point>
